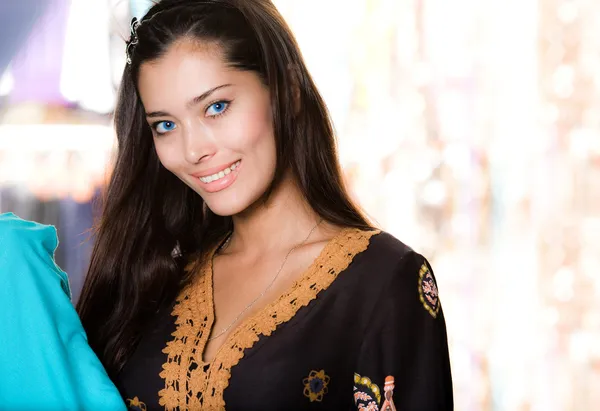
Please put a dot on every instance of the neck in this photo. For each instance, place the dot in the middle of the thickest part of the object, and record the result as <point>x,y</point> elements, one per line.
<point>284,220</point>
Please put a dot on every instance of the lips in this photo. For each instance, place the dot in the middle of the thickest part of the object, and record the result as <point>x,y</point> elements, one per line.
<point>221,174</point>
<point>220,179</point>
<point>214,170</point>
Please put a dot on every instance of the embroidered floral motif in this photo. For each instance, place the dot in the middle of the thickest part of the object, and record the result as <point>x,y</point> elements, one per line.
<point>315,385</point>
<point>367,395</point>
<point>371,406</point>
<point>136,405</point>
<point>428,291</point>
<point>365,390</point>
<point>388,389</point>
<point>361,396</point>
<point>364,401</point>
<point>191,383</point>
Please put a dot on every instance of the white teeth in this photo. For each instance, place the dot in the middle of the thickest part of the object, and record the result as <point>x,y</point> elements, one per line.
<point>220,174</point>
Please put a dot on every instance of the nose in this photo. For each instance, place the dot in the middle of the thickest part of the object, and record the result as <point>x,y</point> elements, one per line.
<point>198,144</point>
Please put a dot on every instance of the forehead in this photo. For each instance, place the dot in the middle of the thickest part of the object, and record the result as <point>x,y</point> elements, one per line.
<point>185,70</point>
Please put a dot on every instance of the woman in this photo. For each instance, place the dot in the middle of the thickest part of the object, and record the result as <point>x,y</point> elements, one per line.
<point>230,268</point>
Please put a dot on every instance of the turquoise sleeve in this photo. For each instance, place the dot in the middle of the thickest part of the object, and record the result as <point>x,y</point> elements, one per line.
<point>45,360</point>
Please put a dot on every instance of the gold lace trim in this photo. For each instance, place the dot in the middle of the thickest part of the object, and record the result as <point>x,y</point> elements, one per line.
<point>192,384</point>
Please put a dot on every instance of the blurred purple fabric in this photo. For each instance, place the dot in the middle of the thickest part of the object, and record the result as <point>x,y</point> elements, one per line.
<point>37,66</point>
<point>16,21</point>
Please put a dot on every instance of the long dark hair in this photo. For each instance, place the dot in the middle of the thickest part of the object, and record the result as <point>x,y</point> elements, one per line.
<point>148,212</point>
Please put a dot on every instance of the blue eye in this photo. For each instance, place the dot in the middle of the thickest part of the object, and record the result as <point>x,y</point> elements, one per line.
<point>163,127</point>
<point>217,108</point>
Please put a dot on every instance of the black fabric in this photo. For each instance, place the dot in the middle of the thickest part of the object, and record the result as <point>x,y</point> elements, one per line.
<point>370,323</point>
<point>140,377</point>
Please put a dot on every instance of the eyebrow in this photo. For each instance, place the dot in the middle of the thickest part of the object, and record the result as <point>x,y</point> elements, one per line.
<point>191,103</point>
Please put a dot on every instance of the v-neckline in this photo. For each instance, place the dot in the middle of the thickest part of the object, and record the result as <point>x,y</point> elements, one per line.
<point>209,279</point>
<point>193,383</point>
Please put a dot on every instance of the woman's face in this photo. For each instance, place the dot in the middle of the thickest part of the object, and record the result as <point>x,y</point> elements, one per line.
<point>212,125</point>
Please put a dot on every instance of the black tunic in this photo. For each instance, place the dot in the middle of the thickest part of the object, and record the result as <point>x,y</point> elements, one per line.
<point>363,324</point>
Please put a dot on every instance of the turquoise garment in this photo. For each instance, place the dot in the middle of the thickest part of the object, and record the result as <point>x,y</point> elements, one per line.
<point>45,361</point>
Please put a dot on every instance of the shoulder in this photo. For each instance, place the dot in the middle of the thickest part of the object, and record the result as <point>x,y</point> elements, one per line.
<point>409,280</point>
<point>27,252</point>
<point>386,256</point>
<point>390,267</point>
<point>386,246</point>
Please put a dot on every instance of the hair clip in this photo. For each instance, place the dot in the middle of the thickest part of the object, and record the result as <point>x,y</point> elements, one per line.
<point>133,39</point>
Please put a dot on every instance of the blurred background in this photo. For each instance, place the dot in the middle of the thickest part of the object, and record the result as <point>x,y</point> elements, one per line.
<point>469,129</point>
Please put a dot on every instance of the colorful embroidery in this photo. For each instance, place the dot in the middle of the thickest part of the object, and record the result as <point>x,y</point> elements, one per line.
<point>365,390</point>
<point>315,385</point>
<point>136,405</point>
<point>364,401</point>
<point>428,291</point>
<point>388,393</point>
<point>371,406</point>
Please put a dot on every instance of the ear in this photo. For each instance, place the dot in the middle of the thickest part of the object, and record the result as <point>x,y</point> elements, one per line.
<point>294,75</point>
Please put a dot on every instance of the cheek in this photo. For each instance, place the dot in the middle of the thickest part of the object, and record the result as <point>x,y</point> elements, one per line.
<point>253,129</point>
<point>167,155</point>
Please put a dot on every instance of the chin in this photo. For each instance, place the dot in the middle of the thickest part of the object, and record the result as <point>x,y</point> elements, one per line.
<point>225,209</point>
<point>233,203</point>
<point>228,204</point>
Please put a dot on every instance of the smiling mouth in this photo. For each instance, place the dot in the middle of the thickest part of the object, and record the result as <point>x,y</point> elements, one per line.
<point>221,174</point>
